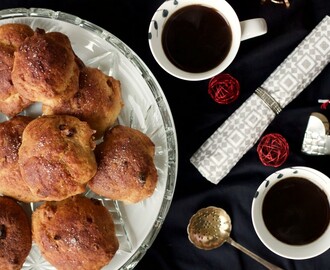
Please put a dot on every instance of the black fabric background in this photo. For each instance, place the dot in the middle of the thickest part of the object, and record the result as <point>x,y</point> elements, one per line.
<point>197,116</point>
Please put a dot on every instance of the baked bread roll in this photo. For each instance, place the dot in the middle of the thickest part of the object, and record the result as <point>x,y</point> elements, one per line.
<point>98,101</point>
<point>11,181</point>
<point>11,37</point>
<point>56,156</point>
<point>126,169</point>
<point>46,68</point>
<point>13,34</point>
<point>76,233</point>
<point>15,234</point>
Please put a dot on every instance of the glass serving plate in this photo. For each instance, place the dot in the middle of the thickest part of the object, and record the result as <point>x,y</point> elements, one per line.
<point>145,109</point>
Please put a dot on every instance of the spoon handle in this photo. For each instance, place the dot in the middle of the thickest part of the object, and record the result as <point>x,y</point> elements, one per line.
<point>252,255</point>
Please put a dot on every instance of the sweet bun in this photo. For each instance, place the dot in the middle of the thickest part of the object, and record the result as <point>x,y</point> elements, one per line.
<point>56,156</point>
<point>126,169</point>
<point>76,233</point>
<point>15,234</point>
<point>11,181</point>
<point>98,100</point>
<point>46,68</point>
<point>11,36</point>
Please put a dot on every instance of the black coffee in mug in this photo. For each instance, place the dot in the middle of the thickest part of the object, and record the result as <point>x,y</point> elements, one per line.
<point>296,211</point>
<point>196,38</point>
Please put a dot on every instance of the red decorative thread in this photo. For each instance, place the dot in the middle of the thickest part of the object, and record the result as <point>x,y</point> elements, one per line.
<point>224,88</point>
<point>325,104</point>
<point>273,150</point>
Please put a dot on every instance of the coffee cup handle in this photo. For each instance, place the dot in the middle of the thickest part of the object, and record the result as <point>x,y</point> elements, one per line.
<point>253,28</point>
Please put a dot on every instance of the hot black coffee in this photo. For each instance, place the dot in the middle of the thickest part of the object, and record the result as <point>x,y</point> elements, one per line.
<point>296,211</point>
<point>196,38</point>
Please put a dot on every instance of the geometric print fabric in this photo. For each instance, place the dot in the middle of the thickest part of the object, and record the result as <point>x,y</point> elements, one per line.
<point>225,147</point>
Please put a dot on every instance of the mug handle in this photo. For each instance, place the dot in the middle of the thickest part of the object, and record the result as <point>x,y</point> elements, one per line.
<point>253,28</point>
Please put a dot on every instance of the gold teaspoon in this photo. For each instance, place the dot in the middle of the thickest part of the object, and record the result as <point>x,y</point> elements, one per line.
<point>210,227</point>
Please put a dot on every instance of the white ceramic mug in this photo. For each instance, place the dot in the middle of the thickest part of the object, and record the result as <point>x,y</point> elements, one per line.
<point>297,251</point>
<point>239,30</point>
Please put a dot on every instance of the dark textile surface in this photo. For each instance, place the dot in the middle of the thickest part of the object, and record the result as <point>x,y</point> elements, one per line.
<point>197,116</point>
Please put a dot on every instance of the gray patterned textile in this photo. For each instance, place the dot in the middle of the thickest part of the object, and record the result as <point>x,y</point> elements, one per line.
<point>220,153</point>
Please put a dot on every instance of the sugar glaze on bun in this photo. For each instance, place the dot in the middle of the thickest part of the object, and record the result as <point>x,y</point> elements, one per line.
<point>76,233</point>
<point>15,234</point>
<point>126,169</point>
<point>56,156</point>
<point>11,181</point>
<point>46,68</point>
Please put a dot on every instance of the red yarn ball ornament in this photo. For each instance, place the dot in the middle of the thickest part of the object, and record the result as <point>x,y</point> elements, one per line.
<point>325,104</point>
<point>273,150</point>
<point>223,88</point>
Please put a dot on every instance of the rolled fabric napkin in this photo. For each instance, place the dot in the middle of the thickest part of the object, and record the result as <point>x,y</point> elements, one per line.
<point>220,153</point>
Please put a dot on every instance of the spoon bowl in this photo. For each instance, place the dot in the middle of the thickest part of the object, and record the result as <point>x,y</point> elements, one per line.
<point>210,227</point>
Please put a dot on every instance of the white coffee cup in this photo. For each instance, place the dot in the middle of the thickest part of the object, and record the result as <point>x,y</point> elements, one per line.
<point>293,250</point>
<point>239,31</point>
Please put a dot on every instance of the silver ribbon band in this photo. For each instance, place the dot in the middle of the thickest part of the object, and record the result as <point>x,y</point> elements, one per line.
<point>269,100</point>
